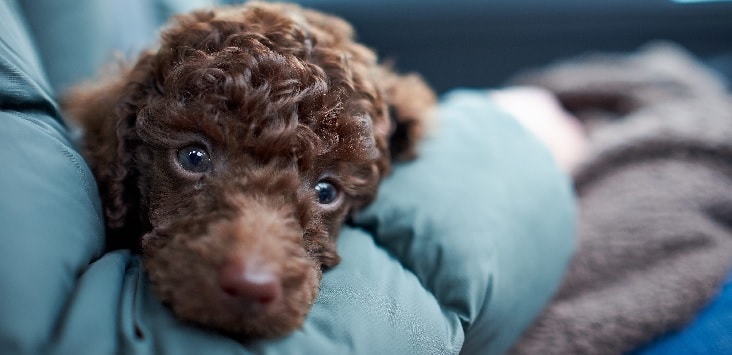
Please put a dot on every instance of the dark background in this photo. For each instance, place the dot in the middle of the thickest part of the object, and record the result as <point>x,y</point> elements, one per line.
<point>472,43</point>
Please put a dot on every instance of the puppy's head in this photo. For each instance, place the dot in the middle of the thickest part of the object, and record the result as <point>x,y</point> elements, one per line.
<point>232,154</point>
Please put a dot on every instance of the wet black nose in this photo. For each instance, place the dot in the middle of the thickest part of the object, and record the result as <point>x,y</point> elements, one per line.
<point>249,281</point>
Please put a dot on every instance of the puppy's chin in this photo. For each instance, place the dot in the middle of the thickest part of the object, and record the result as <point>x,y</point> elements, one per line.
<point>247,289</point>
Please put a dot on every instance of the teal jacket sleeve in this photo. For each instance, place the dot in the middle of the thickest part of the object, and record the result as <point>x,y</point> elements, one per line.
<point>484,219</point>
<point>458,253</point>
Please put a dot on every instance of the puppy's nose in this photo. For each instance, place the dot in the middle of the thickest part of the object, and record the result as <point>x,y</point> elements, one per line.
<point>249,281</point>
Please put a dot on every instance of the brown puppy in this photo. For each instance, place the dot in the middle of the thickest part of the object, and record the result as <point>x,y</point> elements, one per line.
<point>231,156</point>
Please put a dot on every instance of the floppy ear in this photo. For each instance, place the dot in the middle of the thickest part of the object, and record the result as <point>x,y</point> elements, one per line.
<point>106,114</point>
<point>411,104</point>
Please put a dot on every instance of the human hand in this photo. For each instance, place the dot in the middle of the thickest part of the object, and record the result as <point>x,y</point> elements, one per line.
<point>540,112</point>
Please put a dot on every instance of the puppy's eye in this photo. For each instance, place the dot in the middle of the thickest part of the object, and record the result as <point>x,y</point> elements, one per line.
<point>327,192</point>
<point>194,159</point>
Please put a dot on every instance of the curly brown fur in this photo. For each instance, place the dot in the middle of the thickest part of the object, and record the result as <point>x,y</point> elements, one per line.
<point>280,98</point>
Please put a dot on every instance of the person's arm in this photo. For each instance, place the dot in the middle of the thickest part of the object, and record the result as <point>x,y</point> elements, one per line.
<point>483,217</point>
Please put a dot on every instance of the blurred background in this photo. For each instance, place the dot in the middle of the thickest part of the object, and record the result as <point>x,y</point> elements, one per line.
<point>479,43</point>
<point>452,43</point>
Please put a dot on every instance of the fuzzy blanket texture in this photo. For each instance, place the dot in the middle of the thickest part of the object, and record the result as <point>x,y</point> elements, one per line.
<point>655,199</point>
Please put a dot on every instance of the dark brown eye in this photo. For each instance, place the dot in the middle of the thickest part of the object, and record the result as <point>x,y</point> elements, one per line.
<point>327,193</point>
<point>194,159</point>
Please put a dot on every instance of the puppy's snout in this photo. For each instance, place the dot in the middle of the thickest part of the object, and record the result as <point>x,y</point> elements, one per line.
<point>250,281</point>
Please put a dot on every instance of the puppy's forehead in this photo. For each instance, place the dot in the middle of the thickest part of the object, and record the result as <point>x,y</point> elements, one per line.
<point>254,78</point>
<point>254,94</point>
<point>258,11</point>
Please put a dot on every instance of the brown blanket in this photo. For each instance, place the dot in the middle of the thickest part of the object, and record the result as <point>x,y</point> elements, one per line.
<point>655,195</point>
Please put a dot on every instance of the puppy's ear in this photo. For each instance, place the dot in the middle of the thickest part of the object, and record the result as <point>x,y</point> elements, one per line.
<point>411,104</point>
<point>107,121</point>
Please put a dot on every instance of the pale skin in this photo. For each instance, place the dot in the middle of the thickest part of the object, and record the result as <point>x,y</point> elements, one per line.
<point>540,112</point>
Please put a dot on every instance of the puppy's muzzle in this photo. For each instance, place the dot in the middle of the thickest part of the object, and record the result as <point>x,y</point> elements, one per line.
<point>262,239</point>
